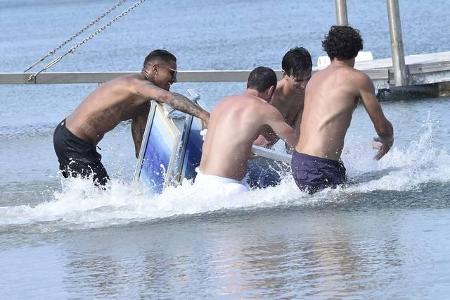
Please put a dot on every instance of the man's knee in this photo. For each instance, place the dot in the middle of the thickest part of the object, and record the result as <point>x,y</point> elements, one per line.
<point>96,171</point>
<point>100,176</point>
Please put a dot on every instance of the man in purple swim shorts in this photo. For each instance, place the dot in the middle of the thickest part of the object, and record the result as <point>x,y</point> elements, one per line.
<point>313,174</point>
<point>331,96</point>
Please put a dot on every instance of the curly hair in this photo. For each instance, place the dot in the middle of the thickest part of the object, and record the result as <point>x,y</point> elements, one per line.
<point>342,42</point>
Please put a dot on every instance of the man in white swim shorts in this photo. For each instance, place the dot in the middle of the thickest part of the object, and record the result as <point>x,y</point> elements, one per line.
<point>234,124</point>
<point>225,187</point>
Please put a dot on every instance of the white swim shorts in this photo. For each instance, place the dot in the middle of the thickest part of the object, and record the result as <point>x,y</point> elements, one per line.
<point>220,185</point>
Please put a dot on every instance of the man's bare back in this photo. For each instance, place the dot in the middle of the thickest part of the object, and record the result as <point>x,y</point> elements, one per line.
<point>119,100</point>
<point>110,104</point>
<point>331,97</point>
<point>234,124</point>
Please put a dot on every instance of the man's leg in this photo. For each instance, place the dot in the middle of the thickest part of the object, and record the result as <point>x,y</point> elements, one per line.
<point>59,138</point>
<point>77,157</point>
<point>100,177</point>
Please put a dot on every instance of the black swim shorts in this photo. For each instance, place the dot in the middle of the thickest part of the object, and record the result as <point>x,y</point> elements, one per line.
<point>78,157</point>
<point>313,174</point>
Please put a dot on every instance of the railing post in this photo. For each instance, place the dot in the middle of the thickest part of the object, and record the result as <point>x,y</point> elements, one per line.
<point>341,12</point>
<point>398,55</point>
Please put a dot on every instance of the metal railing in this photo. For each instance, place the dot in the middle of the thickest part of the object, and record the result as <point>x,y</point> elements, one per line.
<point>379,76</point>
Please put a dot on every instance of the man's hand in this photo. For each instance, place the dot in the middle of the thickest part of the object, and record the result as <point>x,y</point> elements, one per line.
<point>382,145</point>
<point>262,142</point>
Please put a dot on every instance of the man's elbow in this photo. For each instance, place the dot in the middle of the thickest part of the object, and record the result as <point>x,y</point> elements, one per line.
<point>164,97</point>
<point>204,115</point>
<point>293,142</point>
<point>291,138</point>
<point>387,130</point>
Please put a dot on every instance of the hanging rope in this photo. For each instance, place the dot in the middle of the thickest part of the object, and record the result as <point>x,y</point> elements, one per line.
<point>90,37</point>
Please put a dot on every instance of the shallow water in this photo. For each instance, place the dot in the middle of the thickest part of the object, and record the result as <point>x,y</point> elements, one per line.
<point>385,236</point>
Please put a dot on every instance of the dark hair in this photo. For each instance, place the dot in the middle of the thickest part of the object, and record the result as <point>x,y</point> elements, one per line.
<point>296,62</point>
<point>159,54</point>
<point>261,79</point>
<point>342,42</point>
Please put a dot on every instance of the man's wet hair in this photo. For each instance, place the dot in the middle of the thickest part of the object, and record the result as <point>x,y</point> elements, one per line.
<point>261,78</point>
<point>342,42</point>
<point>159,54</point>
<point>297,62</point>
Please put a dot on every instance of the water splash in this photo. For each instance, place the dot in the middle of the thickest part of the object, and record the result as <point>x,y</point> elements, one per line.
<point>80,205</point>
<point>402,169</point>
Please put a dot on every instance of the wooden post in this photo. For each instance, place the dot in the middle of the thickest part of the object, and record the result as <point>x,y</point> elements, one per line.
<point>341,12</point>
<point>398,55</point>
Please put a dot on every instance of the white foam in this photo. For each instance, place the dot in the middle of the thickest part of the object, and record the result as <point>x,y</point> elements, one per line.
<point>404,169</point>
<point>82,205</point>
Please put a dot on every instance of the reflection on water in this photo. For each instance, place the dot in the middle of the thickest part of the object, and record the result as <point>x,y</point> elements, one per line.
<point>319,262</point>
<point>99,274</point>
<point>291,253</point>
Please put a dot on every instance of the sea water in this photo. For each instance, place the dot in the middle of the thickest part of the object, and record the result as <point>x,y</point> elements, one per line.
<point>384,236</point>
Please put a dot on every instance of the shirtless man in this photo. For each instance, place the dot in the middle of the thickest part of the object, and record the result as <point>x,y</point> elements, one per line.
<point>289,94</point>
<point>235,123</point>
<point>288,98</point>
<point>331,97</point>
<point>124,98</point>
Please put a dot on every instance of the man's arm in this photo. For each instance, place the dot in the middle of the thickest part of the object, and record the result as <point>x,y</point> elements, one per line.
<point>381,124</point>
<point>267,138</point>
<point>298,122</point>
<point>175,100</point>
<point>138,124</point>
<point>183,104</point>
<point>276,121</point>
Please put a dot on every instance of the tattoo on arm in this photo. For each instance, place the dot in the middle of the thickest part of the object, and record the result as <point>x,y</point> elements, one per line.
<point>183,104</point>
<point>175,100</point>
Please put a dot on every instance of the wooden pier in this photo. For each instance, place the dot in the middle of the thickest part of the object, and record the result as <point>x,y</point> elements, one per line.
<point>421,70</point>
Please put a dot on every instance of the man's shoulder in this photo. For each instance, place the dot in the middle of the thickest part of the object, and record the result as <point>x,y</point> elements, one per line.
<point>244,102</point>
<point>353,76</point>
<point>359,75</point>
<point>134,83</point>
<point>239,99</point>
<point>131,79</point>
<point>228,100</point>
<point>122,82</point>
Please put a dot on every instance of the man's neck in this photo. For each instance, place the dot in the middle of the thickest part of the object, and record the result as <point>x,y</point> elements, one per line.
<point>252,92</point>
<point>285,95</point>
<point>336,62</point>
<point>287,91</point>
